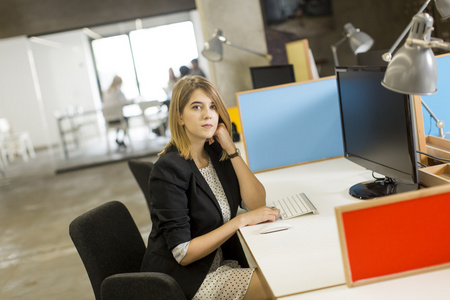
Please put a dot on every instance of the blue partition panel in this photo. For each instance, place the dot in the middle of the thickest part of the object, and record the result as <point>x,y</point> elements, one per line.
<point>439,103</point>
<point>291,124</point>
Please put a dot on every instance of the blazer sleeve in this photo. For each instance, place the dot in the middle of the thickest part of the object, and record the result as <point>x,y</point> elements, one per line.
<point>169,182</point>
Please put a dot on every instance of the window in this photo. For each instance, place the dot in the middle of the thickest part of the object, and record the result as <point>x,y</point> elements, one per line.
<point>143,58</point>
<point>113,57</point>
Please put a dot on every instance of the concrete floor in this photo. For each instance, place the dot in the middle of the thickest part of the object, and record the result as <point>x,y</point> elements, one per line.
<point>37,257</point>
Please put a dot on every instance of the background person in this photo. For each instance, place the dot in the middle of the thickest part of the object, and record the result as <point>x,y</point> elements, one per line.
<point>195,69</point>
<point>113,102</point>
<point>184,71</point>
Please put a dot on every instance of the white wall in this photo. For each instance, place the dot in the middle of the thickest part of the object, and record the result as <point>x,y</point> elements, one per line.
<point>202,61</point>
<point>37,79</point>
<point>66,75</point>
<point>19,99</point>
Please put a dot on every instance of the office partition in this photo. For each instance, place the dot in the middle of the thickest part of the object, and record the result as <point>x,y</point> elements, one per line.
<point>291,124</point>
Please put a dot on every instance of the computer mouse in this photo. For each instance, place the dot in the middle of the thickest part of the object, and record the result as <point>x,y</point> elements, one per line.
<point>274,227</point>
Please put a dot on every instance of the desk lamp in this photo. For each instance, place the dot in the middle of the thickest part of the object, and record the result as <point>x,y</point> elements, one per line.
<point>213,48</point>
<point>360,42</point>
<point>442,6</point>
<point>413,69</point>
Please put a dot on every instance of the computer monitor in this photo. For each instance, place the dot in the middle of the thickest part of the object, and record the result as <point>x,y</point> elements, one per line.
<point>272,75</point>
<point>378,131</point>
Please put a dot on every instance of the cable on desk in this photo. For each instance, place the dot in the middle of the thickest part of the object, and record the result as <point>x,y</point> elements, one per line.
<point>377,178</point>
<point>423,165</point>
<point>434,157</point>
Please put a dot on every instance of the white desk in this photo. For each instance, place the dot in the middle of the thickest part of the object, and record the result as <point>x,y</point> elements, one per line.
<point>433,285</point>
<point>305,261</point>
<point>308,256</point>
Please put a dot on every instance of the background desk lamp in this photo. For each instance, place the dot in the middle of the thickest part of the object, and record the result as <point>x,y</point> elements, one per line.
<point>213,48</point>
<point>359,41</point>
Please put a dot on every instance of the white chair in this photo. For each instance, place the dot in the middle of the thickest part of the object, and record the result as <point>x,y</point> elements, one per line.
<point>114,119</point>
<point>75,126</point>
<point>12,144</point>
<point>155,115</point>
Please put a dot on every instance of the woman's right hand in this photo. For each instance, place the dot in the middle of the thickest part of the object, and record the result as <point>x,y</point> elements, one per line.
<point>259,215</point>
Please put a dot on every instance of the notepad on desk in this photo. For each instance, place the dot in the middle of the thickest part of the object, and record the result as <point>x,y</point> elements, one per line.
<point>294,206</point>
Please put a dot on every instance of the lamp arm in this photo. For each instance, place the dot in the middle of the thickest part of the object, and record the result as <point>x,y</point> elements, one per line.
<point>440,124</point>
<point>388,55</point>
<point>428,44</point>
<point>334,49</point>
<point>268,56</point>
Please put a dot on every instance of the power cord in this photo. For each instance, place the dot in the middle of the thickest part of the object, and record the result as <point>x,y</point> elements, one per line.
<point>434,157</point>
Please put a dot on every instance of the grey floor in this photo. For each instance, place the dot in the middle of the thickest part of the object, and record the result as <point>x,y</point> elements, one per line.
<point>37,257</point>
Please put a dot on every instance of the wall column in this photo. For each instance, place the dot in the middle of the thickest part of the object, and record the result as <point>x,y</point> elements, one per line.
<point>242,24</point>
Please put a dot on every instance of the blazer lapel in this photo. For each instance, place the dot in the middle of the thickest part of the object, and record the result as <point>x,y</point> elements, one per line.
<point>224,180</point>
<point>223,177</point>
<point>201,182</point>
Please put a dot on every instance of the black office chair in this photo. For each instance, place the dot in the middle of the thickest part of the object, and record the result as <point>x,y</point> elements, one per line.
<point>141,172</point>
<point>111,248</point>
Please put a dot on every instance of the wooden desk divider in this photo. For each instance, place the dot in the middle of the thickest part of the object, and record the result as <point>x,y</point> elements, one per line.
<point>395,236</point>
<point>300,56</point>
<point>290,124</point>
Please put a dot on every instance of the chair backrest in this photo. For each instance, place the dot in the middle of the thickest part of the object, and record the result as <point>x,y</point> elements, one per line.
<point>5,127</point>
<point>113,112</point>
<point>108,242</point>
<point>141,172</point>
<point>146,104</point>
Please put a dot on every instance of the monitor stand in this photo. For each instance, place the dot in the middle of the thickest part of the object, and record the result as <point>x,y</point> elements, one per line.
<point>379,188</point>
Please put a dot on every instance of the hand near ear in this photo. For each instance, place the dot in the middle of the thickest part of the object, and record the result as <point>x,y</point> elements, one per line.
<point>223,137</point>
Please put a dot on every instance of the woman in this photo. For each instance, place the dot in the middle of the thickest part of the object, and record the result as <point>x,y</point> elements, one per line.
<point>196,187</point>
<point>113,102</point>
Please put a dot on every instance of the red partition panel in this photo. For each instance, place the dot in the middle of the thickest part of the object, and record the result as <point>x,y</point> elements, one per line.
<point>396,235</point>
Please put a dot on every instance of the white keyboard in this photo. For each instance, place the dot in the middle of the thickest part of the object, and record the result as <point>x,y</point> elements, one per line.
<point>294,206</point>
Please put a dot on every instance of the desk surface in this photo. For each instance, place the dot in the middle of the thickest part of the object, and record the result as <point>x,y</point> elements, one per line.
<point>432,285</point>
<point>308,256</point>
<point>305,261</point>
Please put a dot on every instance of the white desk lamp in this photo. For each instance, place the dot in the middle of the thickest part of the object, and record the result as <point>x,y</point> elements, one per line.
<point>359,41</point>
<point>213,48</point>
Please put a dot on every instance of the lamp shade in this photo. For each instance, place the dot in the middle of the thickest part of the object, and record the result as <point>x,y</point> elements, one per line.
<point>213,48</point>
<point>443,7</point>
<point>413,69</point>
<point>359,41</point>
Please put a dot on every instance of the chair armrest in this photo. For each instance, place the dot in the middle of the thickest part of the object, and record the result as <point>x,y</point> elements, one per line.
<point>143,285</point>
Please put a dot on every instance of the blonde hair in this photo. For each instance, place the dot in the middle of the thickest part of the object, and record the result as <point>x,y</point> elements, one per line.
<point>181,94</point>
<point>116,83</point>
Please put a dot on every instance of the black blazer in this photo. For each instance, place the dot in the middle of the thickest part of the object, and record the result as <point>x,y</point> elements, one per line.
<point>184,207</point>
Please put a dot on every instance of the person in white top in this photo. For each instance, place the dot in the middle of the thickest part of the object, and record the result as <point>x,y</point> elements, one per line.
<point>113,102</point>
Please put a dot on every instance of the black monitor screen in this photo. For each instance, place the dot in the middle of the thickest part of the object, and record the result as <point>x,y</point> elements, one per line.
<point>272,75</point>
<point>377,130</point>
